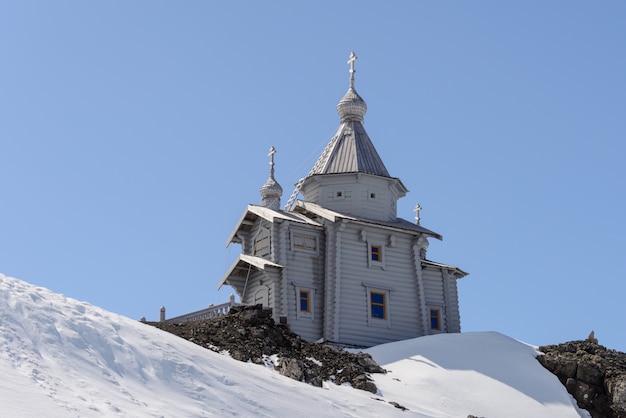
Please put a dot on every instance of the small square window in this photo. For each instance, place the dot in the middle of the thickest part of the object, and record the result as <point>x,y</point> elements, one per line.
<point>377,305</point>
<point>375,254</point>
<point>372,195</point>
<point>339,194</point>
<point>435,323</point>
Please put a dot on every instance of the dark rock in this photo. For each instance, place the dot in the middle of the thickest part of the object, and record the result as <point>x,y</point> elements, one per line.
<point>364,383</point>
<point>590,371</point>
<point>249,333</point>
<point>368,363</point>
<point>592,374</point>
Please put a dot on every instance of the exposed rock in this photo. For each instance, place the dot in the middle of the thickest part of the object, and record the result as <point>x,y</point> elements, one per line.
<point>249,333</point>
<point>292,368</point>
<point>592,338</point>
<point>592,374</point>
<point>397,405</point>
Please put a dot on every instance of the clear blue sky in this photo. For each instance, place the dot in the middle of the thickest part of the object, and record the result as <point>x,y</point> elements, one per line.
<point>133,134</point>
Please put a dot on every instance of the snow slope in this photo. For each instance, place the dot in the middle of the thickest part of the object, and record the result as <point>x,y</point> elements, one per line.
<point>64,358</point>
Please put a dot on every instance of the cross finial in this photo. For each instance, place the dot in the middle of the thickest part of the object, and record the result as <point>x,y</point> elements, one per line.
<point>271,155</point>
<point>351,61</point>
<point>417,213</point>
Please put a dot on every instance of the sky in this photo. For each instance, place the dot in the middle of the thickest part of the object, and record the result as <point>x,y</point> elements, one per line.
<point>64,358</point>
<point>134,134</point>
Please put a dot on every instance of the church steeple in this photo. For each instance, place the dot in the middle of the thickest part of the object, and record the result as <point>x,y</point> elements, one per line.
<point>350,150</point>
<point>271,191</point>
<point>350,176</point>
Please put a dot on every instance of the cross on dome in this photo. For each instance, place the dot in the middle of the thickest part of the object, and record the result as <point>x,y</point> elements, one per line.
<point>271,190</point>
<point>352,106</point>
<point>351,61</point>
<point>271,155</point>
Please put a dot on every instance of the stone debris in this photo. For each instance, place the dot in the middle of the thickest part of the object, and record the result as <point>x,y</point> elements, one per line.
<point>248,333</point>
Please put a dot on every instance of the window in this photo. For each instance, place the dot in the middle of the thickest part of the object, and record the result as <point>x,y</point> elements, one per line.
<point>377,305</point>
<point>338,194</point>
<point>305,301</point>
<point>305,242</point>
<point>376,253</point>
<point>435,320</point>
<point>262,243</point>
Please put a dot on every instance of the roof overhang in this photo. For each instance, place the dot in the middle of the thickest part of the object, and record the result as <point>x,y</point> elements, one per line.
<point>253,212</point>
<point>242,266</point>
<point>458,273</point>
<point>333,216</point>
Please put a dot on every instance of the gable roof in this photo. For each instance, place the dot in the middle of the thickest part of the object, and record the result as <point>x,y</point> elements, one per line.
<point>242,266</point>
<point>399,225</point>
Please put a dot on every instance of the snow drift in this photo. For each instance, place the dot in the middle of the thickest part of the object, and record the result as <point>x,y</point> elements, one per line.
<point>63,358</point>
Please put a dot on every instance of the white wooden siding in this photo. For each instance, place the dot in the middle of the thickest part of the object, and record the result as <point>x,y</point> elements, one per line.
<point>398,277</point>
<point>452,296</point>
<point>252,286</point>
<point>332,292</point>
<point>355,196</point>
<point>433,287</point>
<point>306,269</point>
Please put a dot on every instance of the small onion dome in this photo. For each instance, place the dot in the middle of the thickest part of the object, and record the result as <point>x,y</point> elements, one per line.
<point>271,192</point>
<point>351,106</point>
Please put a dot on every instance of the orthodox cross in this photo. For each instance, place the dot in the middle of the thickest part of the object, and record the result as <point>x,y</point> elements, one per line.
<point>271,155</point>
<point>351,61</point>
<point>417,213</point>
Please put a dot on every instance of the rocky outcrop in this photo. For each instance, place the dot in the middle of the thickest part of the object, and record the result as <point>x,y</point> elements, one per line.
<point>592,374</point>
<point>249,333</point>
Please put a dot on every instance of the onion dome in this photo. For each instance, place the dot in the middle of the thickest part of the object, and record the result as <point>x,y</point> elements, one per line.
<point>271,192</point>
<point>351,106</point>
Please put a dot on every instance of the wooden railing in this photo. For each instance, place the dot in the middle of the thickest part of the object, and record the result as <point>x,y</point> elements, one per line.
<point>212,311</point>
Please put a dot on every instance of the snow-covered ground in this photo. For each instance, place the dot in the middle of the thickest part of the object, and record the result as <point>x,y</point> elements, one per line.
<point>64,358</point>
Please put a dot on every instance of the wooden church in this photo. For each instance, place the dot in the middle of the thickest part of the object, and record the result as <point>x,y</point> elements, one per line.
<point>338,264</point>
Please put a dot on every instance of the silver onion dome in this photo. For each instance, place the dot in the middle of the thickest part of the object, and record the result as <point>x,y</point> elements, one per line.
<point>351,106</point>
<point>271,192</point>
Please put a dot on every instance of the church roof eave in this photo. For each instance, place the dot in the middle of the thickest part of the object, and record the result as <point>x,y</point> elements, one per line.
<point>245,262</point>
<point>333,216</point>
<point>253,212</point>
<point>458,273</point>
